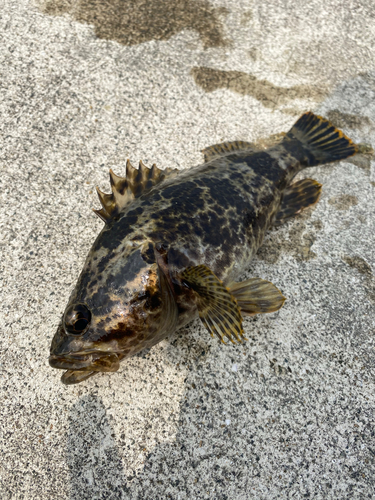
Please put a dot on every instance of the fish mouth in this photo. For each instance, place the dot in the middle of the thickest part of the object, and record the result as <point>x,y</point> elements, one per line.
<point>81,366</point>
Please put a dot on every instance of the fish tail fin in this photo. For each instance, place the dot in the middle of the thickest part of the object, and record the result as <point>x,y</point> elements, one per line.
<point>313,140</point>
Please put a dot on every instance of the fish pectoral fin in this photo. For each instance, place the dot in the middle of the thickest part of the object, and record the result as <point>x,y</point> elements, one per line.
<point>225,148</point>
<point>217,307</point>
<point>126,189</point>
<point>256,296</point>
<point>297,196</point>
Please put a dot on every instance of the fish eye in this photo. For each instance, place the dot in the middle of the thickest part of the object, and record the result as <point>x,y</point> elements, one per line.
<point>77,319</point>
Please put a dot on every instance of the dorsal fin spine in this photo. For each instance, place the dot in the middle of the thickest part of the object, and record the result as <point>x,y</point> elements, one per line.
<point>131,172</point>
<point>125,189</point>
<point>142,168</point>
<point>117,183</point>
<point>102,214</point>
<point>107,200</point>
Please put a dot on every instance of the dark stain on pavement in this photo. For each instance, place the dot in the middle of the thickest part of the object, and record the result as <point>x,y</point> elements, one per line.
<point>343,201</point>
<point>343,120</point>
<point>135,21</point>
<point>271,96</point>
<point>246,17</point>
<point>359,264</point>
<point>363,268</point>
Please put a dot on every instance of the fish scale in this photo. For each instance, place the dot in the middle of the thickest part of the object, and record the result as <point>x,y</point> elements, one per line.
<point>174,244</point>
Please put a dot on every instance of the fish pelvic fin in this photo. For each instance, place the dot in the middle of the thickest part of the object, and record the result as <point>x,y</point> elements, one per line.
<point>217,307</point>
<point>296,197</point>
<point>126,189</point>
<point>257,296</point>
<point>313,140</point>
<point>225,148</point>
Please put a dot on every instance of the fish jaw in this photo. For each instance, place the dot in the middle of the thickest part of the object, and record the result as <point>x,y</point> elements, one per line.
<point>71,377</point>
<point>81,366</point>
<point>80,359</point>
<point>94,361</point>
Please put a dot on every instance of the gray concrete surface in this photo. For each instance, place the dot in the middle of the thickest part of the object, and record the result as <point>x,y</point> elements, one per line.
<point>87,84</point>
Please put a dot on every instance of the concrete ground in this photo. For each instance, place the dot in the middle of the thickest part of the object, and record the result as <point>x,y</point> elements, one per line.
<point>86,84</point>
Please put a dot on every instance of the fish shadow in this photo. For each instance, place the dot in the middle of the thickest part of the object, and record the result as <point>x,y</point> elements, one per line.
<point>95,458</point>
<point>92,455</point>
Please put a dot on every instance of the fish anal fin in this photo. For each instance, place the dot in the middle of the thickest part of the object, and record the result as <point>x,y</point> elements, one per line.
<point>216,306</point>
<point>297,196</point>
<point>225,148</point>
<point>126,189</point>
<point>257,296</point>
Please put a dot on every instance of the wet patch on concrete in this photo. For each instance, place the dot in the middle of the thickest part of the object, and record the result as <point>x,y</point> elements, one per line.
<point>298,244</point>
<point>343,120</point>
<point>343,201</point>
<point>135,21</point>
<point>271,96</point>
<point>363,268</point>
<point>246,17</point>
<point>359,264</point>
<point>361,161</point>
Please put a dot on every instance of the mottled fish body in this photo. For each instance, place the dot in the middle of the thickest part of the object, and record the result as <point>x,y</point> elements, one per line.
<point>174,244</point>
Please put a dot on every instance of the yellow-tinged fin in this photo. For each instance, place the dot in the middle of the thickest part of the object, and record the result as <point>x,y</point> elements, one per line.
<point>322,141</point>
<point>217,307</point>
<point>298,196</point>
<point>257,296</point>
<point>225,148</point>
<point>126,189</point>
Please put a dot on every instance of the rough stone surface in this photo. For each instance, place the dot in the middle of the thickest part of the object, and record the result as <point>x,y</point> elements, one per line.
<point>290,414</point>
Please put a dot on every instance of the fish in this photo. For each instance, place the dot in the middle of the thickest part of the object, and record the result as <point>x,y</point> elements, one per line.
<point>175,242</point>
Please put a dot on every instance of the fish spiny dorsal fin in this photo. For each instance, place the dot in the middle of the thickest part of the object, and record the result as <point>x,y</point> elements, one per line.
<point>126,189</point>
<point>225,148</point>
<point>122,192</point>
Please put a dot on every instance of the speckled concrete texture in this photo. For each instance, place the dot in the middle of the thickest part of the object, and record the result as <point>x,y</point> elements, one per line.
<point>87,84</point>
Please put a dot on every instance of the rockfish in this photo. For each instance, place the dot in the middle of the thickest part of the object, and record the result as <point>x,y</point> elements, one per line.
<point>175,242</point>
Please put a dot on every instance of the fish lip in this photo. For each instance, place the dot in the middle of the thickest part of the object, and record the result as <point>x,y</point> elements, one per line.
<point>94,361</point>
<point>67,361</point>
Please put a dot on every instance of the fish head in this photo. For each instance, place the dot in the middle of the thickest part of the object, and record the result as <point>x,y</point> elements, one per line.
<point>121,304</point>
